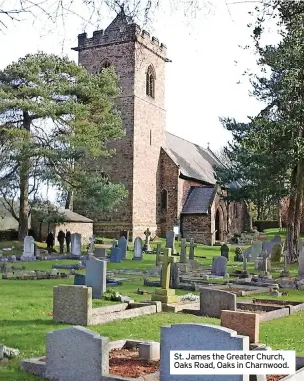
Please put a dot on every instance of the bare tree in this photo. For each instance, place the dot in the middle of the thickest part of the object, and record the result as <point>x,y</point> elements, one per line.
<point>90,11</point>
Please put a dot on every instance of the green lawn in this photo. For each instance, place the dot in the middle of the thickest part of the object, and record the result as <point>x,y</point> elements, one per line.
<point>26,306</point>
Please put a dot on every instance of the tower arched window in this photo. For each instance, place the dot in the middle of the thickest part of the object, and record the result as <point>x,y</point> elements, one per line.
<point>150,82</point>
<point>164,199</point>
<point>105,65</point>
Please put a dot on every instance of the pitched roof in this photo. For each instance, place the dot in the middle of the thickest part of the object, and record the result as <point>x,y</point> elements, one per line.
<point>70,216</point>
<point>199,199</point>
<point>195,162</point>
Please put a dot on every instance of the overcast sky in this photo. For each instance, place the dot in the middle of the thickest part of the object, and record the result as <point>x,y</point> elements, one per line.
<point>201,83</point>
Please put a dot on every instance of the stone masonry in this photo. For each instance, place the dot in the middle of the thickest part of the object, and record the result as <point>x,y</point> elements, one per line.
<point>143,161</point>
<point>245,323</point>
<point>135,164</point>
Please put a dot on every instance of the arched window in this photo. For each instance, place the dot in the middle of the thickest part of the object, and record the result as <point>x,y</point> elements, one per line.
<point>150,82</point>
<point>164,199</point>
<point>105,64</point>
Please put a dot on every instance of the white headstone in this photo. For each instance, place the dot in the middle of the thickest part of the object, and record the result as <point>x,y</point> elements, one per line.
<point>256,250</point>
<point>137,249</point>
<point>76,244</point>
<point>28,248</point>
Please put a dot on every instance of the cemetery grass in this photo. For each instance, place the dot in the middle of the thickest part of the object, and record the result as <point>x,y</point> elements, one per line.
<point>26,317</point>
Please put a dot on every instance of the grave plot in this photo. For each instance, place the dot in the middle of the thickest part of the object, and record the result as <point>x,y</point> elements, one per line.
<point>270,309</point>
<point>94,358</point>
<point>239,290</point>
<point>78,354</point>
<point>73,305</point>
<point>34,275</point>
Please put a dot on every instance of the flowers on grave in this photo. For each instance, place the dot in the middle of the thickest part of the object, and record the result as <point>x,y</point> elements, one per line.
<point>190,297</point>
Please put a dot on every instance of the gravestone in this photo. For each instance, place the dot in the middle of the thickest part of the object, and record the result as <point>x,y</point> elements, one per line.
<point>212,302</point>
<point>115,255</point>
<point>198,337</point>
<point>256,250</point>
<point>72,304</point>
<point>96,277</point>
<point>170,241</point>
<point>122,244</point>
<point>267,247</point>
<point>247,254</point>
<point>100,252</point>
<point>79,280</point>
<point>175,276</point>
<point>276,239</point>
<point>137,255</point>
<point>192,246</point>
<point>147,246</point>
<point>225,251</point>
<point>165,294</point>
<point>301,259</point>
<point>28,249</point>
<point>276,253</point>
<point>91,245</point>
<point>183,251</point>
<point>76,354</point>
<point>219,266</point>
<point>158,253</point>
<point>76,244</point>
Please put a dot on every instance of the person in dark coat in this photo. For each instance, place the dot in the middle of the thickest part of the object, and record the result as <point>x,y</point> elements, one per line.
<point>68,240</point>
<point>61,239</point>
<point>50,240</point>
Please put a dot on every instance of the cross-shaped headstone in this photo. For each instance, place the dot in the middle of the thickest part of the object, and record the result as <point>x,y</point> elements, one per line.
<point>158,253</point>
<point>147,246</point>
<point>191,250</point>
<point>167,260</point>
<point>91,247</point>
<point>183,251</point>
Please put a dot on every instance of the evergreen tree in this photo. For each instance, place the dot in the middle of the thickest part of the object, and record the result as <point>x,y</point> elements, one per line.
<point>55,117</point>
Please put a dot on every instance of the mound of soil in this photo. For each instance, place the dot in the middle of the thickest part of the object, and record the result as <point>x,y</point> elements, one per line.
<point>275,378</point>
<point>126,363</point>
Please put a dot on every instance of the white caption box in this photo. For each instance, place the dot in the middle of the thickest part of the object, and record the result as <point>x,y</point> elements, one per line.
<point>232,362</point>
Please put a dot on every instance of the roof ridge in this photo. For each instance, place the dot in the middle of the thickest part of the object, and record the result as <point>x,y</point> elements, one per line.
<point>188,141</point>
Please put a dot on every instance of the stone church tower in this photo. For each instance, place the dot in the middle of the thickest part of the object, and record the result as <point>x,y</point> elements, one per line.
<point>139,62</point>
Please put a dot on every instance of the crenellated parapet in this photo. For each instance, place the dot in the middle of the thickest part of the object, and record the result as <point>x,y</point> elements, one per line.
<point>120,32</point>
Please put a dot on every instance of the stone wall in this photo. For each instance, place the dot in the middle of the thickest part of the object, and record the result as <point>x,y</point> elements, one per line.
<point>135,163</point>
<point>83,228</point>
<point>168,178</point>
<point>237,215</point>
<point>198,227</point>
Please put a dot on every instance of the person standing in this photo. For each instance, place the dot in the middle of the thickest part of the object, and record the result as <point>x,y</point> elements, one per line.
<point>50,240</point>
<point>68,240</point>
<point>61,238</point>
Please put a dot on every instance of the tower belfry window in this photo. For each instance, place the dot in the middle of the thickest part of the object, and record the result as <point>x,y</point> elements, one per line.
<point>150,82</point>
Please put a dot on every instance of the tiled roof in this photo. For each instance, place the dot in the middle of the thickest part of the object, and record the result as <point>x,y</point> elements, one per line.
<point>195,162</point>
<point>199,199</point>
<point>70,216</point>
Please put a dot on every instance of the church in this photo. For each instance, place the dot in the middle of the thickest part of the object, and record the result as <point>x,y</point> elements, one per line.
<point>170,181</point>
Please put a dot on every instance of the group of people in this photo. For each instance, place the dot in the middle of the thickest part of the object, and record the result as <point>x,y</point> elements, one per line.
<point>61,238</point>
